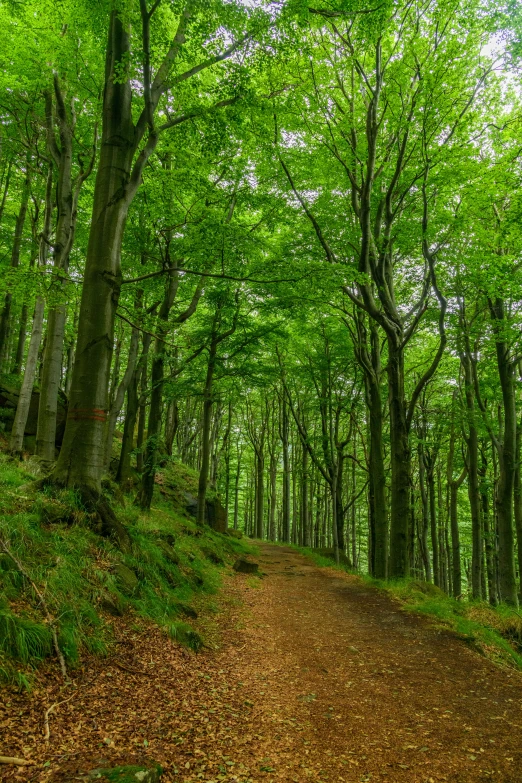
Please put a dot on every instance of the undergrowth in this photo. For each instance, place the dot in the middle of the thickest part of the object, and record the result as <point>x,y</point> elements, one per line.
<point>494,631</point>
<point>85,579</point>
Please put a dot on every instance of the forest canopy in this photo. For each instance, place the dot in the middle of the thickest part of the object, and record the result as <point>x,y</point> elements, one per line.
<point>281,244</point>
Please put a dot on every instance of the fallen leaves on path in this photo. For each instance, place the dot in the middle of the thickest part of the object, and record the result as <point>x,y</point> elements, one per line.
<point>314,678</point>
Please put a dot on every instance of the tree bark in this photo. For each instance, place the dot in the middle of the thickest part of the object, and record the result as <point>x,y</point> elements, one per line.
<point>5,317</point>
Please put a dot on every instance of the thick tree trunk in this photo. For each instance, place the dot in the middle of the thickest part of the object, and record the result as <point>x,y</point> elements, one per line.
<point>81,459</point>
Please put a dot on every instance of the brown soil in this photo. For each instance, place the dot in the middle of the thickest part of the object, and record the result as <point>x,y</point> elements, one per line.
<point>317,678</point>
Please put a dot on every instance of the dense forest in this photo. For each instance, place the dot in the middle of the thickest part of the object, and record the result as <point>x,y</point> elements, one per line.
<point>280,244</point>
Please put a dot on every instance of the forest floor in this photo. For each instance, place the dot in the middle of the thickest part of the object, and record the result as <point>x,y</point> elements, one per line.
<point>310,675</point>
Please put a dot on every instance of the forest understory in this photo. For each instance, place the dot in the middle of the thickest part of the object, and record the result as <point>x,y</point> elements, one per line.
<point>261,280</point>
<point>309,675</point>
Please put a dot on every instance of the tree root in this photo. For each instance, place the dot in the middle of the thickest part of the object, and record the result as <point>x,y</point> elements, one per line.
<point>15,761</point>
<point>104,521</point>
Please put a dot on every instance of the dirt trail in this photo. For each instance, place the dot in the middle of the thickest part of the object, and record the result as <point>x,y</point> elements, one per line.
<point>376,694</point>
<point>316,678</point>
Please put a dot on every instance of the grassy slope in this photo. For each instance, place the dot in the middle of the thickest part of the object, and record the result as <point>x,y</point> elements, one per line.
<point>81,577</point>
<point>496,633</point>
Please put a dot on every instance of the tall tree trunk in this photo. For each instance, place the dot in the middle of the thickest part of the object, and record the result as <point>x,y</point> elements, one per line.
<point>518,507</point>
<point>24,399</point>
<point>286,472</point>
<point>400,464</point>
<point>260,500</point>
<point>119,395</point>
<point>22,334</point>
<point>473,478</point>
<point>423,533</point>
<point>5,317</point>
<point>82,454</point>
<point>144,498</point>
<point>236,491</point>
<point>430,480</point>
<point>507,451</point>
<point>205,434</point>
<point>305,526</point>
<point>124,467</point>
<point>26,390</point>
<point>67,194</point>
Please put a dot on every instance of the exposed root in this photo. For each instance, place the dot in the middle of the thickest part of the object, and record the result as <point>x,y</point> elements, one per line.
<point>15,761</point>
<point>103,519</point>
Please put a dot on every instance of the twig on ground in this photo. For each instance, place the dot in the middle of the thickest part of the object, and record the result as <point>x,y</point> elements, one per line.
<point>15,762</point>
<point>47,732</point>
<point>50,619</point>
<point>127,668</point>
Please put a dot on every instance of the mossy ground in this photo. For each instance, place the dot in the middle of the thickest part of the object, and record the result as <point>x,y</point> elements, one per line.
<point>495,632</point>
<point>174,563</point>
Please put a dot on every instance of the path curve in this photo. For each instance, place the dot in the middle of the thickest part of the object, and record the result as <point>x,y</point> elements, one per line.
<point>354,689</point>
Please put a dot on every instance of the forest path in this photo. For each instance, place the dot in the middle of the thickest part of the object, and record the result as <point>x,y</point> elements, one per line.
<point>309,676</point>
<point>354,689</point>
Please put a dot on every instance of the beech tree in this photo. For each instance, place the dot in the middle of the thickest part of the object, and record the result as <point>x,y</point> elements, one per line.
<point>279,244</point>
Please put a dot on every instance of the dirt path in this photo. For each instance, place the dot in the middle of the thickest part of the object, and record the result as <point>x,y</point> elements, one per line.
<point>356,690</point>
<point>317,678</point>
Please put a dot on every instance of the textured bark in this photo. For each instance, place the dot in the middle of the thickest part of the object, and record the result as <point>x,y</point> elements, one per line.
<point>67,195</point>
<point>81,459</point>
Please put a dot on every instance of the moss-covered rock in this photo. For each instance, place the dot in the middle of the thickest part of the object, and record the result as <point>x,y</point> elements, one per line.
<point>244,566</point>
<point>126,577</point>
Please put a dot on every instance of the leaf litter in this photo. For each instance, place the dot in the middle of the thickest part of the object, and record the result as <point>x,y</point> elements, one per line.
<point>301,680</point>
